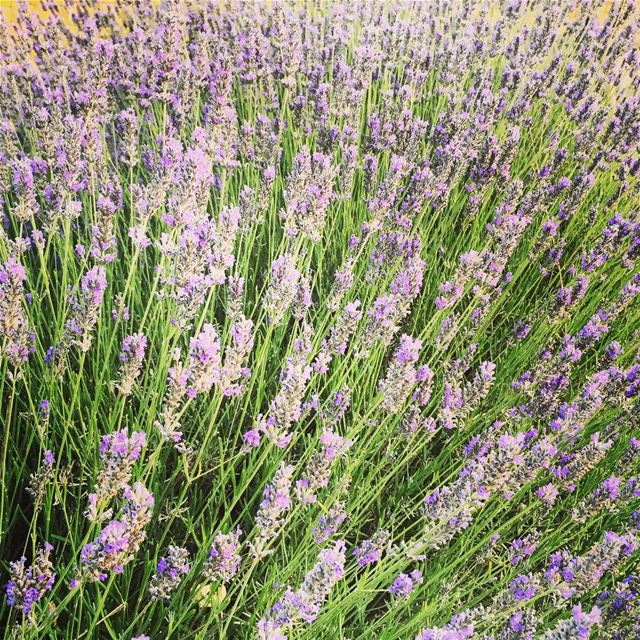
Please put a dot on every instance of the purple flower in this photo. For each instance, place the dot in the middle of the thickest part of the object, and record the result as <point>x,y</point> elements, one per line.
<point>118,453</point>
<point>131,358</point>
<point>119,540</point>
<point>404,585</point>
<point>282,288</point>
<point>548,494</point>
<point>170,570</point>
<point>577,627</point>
<point>204,361</point>
<point>522,588</point>
<point>317,474</point>
<point>224,557</point>
<point>275,503</point>
<point>370,551</point>
<point>16,337</point>
<point>303,605</point>
<point>93,284</point>
<point>329,523</point>
<point>401,375</point>
<point>29,584</point>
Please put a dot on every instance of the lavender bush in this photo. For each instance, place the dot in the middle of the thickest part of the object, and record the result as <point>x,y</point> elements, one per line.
<point>320,320</point>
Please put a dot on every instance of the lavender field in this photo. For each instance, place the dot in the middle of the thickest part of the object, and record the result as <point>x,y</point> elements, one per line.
<point>320,320</point>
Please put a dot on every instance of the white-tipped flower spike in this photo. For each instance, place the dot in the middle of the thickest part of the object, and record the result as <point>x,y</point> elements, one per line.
<point>17,337</point>
<point>275,503</point>
<point>303,605</point>
<point>401,375</point>
<point>169,572</point>
<point>29,584</point>
<point>84,305</point>
<point>131,360</point>
<point>224,557</point>
<point>118,453</point>
<point>575,628</point>
<point>119,540</point>
<point>318,471</point>
<point>286,407</point>
<point>282,288</point>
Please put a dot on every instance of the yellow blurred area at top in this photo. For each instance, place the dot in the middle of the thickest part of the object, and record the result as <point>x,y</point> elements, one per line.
<point>11,8</point>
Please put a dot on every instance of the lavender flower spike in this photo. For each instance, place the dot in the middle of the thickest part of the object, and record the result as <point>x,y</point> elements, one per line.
<point>578,627</point>
<point>170,570</point>
<point>120,540</point>
<point>275,503</point>
<point>131,359</point>
<point>118,453</point>
<point>304,604</point>
<point>224,557</point>
<point>29,584</point>
<point>401,375</point>
<point>16,337</point>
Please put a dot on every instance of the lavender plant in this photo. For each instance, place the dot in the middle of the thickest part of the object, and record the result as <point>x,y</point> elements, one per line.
<point>320,320</point>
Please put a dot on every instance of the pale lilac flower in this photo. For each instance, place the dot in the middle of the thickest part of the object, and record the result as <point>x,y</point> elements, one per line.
<point>303,298</point>
<point>603,497</point>
<point>461,397</point>
<point>343,281</point>
<point>522,548</point>
<point>522,625</point>
<point>26,206</point>
<point>224,557</point>
<point>308,193</point>
<point>29,584</point>
<point>451,508</point>
<point>269,629</point>
<point>282,288</point>
<point>118,453</point>
<point>523,587</point>
<point>389,310</point>
<point>204,361</point>
<point>129,125</point>
<point>138,234</point>
<point>275,503</point>
<point>198,261</point>
<point>548,494</point>
<point>285,409</point>
<point>573,576</point>
<point>303,605</point>
<point>578,627</point>
<point>16,336</point>
<point>413,421</point>
<point>169,423</point>
<point>131,358</point>
<point>316,475</point>
<point>120,540</point>
<point>370,551</point>
<point>236,354</point>
<point>169,572</point>
<point>42,478</point>
<point>401,375</point>
<point>461,627</point>
<point>329,523</point>
<point>85,309</point>
<point>103,238</point>
<point>405,583</point>
<point>341,332</point>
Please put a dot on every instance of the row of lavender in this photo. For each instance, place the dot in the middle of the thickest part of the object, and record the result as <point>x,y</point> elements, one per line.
<point>321,320</point>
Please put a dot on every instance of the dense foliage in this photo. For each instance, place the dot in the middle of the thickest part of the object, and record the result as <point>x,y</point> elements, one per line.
<point>320,320</point>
